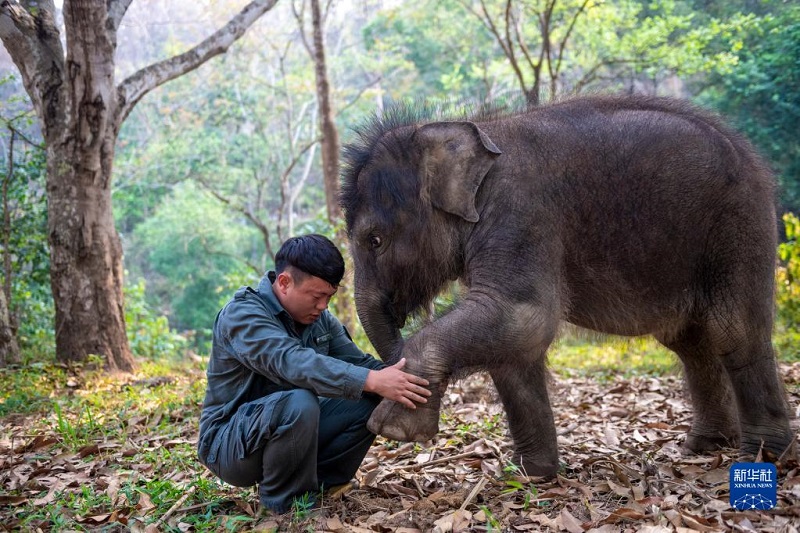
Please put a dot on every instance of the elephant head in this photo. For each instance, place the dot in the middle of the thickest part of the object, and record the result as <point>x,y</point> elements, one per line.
<point>409,193</point>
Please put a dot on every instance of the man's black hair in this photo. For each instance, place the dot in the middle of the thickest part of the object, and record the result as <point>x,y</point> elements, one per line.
<point>311,254</point>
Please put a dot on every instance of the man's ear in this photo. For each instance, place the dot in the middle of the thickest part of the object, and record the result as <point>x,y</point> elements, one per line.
<point>284,281</point>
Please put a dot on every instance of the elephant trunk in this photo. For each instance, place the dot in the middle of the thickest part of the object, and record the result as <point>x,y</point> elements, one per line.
<point>380,324</point>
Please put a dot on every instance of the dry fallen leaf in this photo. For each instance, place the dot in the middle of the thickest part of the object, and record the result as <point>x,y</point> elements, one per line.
<point>569,522</point>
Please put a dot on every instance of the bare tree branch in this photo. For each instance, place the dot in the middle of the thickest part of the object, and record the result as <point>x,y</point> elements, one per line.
<point>295,191</point>
<point>591,75</point>
<point>329,146</point>
<point>34,45</point>
<point>247,211</point>
<point>300,17</point>
<point>8,274</point>
<point>545,54</point>
<point>131,90</point>
<point>248,214</point>
<point>523,46</point>
<point>117,10</point>
<point>24,137</point>
<point>360,93</point>
<point>209,250</point>
<point>554,72</point>
<point>296,159</point>
<point>511,39</point>
<point>504,42</point>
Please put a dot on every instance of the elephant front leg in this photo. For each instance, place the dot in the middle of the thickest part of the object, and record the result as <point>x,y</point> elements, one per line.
<point>523,390</point>
<point>486,334</point>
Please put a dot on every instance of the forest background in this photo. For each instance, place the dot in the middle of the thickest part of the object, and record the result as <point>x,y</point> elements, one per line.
<point>214,169</point>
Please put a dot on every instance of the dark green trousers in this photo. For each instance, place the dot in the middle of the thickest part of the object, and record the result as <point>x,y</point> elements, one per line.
<point>290,443</point>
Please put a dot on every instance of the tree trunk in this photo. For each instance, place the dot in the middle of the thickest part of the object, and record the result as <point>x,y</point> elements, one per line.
<point>81,110</point>
<point>345,310</point>
<point>85,259</point>
<point>327,126</point>
<point>85,250</point>
<point>9,349</point>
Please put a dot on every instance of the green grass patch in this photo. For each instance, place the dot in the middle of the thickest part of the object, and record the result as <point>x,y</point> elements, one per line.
<point>109,450</point>
<point>28,389</point>
<point>579,353</point>
<point>607,357</point>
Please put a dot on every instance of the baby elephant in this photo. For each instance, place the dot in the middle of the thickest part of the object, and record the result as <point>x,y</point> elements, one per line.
<point>624,215</point>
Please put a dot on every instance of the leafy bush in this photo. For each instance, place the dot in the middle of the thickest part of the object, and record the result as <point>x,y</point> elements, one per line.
<point>788,296</point>
<point>188,250</point>
<point>149,335</point>
<point>31,301</point>
<point>788,289</point>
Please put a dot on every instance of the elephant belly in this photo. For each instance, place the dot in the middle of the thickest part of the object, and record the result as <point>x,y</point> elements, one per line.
<point>622,308</point>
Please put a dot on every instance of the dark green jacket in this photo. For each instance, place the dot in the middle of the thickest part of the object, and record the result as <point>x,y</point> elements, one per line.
<point>257,351</point>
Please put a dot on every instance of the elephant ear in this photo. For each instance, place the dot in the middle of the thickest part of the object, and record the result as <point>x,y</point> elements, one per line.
<point>455,157</point>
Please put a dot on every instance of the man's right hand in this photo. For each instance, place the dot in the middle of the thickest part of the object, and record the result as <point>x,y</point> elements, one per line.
<point>394,384</point>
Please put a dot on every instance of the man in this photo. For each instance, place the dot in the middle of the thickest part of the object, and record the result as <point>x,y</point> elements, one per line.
<point>289,393</point>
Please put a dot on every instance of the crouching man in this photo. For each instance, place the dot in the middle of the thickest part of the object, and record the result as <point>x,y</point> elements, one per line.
<point>289,393</point>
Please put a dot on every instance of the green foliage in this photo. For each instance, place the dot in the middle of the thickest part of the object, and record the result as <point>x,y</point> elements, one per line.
<point>432,49</point>
<point>238,126</point>
<point>492,522</point>
<point>527,491</point>
<point>759,93</point>
<point>191,252</point>
<point>30,304</point>
<point>152,415</point>
<point>444,49</point>
<point>788,290</point>
<point>78,431</point>
<point>302,507</point>
<point>633,46</point>
<point>607,357</point>
<point>33,305</point>
<point>727,8</point>
<point>149,334</point>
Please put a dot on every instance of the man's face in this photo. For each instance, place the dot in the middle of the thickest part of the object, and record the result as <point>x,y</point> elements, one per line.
<point>304,301</point>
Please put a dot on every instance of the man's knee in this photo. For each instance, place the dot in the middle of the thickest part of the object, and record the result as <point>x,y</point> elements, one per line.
<point>299,410</point>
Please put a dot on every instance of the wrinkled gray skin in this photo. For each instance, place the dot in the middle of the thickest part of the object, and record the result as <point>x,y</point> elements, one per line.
<point>628,216</point>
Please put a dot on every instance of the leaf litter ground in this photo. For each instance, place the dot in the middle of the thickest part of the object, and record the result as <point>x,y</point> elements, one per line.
<point>619,439</point>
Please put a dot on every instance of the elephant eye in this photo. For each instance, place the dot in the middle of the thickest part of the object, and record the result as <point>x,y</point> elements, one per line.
<point>375,242</point>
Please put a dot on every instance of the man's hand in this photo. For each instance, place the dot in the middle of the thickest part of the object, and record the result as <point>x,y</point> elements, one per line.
<point>394,384</point>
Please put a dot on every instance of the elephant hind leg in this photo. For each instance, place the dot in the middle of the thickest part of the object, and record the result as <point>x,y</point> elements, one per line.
<point>715,422</point>
<point>736,391</point>
<point>760,397</point>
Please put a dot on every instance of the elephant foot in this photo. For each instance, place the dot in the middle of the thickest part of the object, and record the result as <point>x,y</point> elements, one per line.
<point>700,444</point>
<point>772,444</point>
<point>396,422</point>
<point>538,466</point>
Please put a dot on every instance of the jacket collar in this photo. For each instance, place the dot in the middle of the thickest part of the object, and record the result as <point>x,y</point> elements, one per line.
<point>268,295</point>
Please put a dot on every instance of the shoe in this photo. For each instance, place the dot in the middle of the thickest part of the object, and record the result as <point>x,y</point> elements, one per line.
<point>337,492</point>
